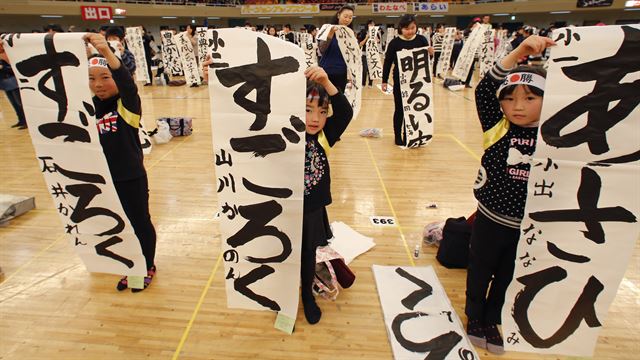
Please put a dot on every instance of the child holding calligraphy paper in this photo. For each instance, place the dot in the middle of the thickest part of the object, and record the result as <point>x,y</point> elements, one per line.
<point>322,133</point>
<point>407,40</point>
<point>118,110</point>
<point>509,103</point>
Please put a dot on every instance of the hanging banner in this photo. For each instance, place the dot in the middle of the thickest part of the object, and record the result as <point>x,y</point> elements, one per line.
<point>145,139</point>
<point>257,92</point>
<point>323,33</point>
<point>310,49</point>
<point>593,3</point>
<point>279,9</point>
<point>447,48</point>
<point>352,56</point>
<point>201,41</point>
<point>486,52</point>
<point>416,88</point>
<point>373,56</point>
<point>335,7</point>
<point>187,58</point>
<point>54,88</point>
<point>504,47</point>
<point>391,34</point>
<point>133,37</point>
<point>581,217</point>
<point>170,54</point>
<point>96,12</point>
<point>396,7</point>
<point>468,53</point>
<point>432,7</point>
<point>418,315</point>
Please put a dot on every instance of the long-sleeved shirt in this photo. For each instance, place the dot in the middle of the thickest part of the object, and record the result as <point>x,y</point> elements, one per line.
<point>501,186</point>
<point>437,42</point>
<point>391,56</point>
<point>118,120</point>
<point>317,176</point>
<point>332,61</point>
<point>129,61</point>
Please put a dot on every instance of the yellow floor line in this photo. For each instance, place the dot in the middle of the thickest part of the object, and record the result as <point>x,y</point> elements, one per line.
<point>33,258</point>
<point>393,212</point>
<point>185,334</point>
<point>471,152</point>
<point>184,138</point>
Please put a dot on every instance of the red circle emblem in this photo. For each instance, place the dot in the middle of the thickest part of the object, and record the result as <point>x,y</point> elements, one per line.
<point>514,78</point>
<point>94,61</point>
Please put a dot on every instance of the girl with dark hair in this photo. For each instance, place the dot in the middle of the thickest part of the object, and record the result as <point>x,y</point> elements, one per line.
<point>510,124</point>
<point>331,60</point>
<point>322,133</point>
<point>272,31</point>
<point>406,40</point>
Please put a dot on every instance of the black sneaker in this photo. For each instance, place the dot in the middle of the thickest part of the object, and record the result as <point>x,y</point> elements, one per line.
<point>123,284</point>
<point>495,344</point>
<point>476,334</point>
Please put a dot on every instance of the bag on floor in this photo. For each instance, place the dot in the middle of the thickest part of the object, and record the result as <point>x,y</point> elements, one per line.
<point>161,134</point>
<point>331,273</point>
<point>178,126</point>
<point>453,252</point>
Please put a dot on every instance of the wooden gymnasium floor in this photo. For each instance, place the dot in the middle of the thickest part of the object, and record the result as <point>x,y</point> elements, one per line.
<point>52,308</point>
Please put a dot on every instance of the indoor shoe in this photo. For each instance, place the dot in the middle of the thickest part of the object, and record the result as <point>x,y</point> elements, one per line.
<point>16,125</point>
<point>476,334</point>
<point>122,284</point>
<point>495,344</point>
<point>147,279</point>
<point>311,311</point>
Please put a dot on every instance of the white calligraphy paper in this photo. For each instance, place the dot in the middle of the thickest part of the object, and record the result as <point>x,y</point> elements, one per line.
<point>136,46</point>
<point>418,315</point>
<point>54,88</point>
<point>581,218</point>
<point>257,92</point>
<point>416,89</point>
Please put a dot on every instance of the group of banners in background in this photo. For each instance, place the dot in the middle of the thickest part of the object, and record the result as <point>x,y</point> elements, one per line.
<point>581,212</point>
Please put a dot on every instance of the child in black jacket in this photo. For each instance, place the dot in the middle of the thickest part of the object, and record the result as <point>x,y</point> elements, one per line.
<point>322,133</point>
<point>118,110</point>
<point>509,103</point>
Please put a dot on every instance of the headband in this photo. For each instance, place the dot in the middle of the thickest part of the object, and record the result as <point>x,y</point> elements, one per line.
<point>98,62</point>
<point>522,78</point>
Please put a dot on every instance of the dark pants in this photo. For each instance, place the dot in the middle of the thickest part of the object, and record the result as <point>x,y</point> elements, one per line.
<point>163,73</point>
<point>339,81</point>
<point>149,70</point>
<point>491,259</point>
<point>436,57</point>
<point>473,65</point>
<point>16,102</point>
<point>398,114</point>
<point>134,196</point>
<point>365,72</point>
<point>315,232</point>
